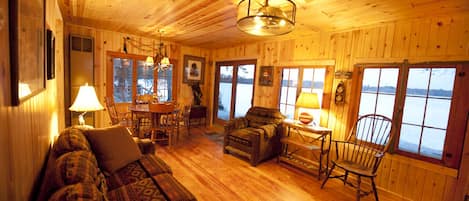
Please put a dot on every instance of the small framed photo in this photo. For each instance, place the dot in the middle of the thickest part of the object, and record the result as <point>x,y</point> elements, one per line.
<point>193,69</point>
<point>266,76</point>
<point>50,52</point>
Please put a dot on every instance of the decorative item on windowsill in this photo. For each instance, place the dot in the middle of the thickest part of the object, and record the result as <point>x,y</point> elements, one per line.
<point>86,101</point>
<point>310,101</point>
<point>162,59</point>
<point>268,18</point>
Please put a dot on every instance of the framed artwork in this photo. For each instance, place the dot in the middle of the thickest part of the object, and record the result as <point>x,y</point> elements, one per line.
<point>50,51</point>
<point>193,69</point>
<point>27,58</point>
<point>266,76</point>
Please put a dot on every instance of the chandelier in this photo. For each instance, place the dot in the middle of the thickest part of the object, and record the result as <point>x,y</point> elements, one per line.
<point>266,18</point>
<point>162,59</point>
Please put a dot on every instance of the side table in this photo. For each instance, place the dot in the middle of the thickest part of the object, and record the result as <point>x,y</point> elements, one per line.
<point>300,137</point>
<point>198,112</point>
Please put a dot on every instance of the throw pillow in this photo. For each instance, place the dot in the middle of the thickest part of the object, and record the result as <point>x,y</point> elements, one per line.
<point>113,147</point>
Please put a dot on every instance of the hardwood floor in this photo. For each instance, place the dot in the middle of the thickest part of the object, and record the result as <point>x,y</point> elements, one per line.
<point>201,166</point>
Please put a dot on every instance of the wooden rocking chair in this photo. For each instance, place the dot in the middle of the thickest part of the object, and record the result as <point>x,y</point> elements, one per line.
<point>362,151</point>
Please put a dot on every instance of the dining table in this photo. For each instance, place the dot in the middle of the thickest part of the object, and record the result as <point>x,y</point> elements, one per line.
<point>161,116</point>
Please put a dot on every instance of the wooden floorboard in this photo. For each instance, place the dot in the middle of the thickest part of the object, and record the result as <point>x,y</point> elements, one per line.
<point>201,166</point>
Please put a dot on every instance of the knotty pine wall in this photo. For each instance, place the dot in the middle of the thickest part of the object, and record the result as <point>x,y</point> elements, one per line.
<point>27,131</point>
<point>430,39</point>
<point>105,41</point>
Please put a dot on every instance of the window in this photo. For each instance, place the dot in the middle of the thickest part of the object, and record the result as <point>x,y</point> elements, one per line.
<point>234,89</point>
<point>296,80</point>
<point>165,85</point>
<point>420,100</point>
<point>122,80</point>
<point>132,77</point>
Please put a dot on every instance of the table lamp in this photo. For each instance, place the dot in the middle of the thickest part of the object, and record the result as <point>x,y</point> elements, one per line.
<point>307,100</point>
<point>86,101</point>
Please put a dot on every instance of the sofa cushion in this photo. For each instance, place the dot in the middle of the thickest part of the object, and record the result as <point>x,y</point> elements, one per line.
<point>113,147</point>
<point>130,173</point>
<point>75,167</point>
<point>70,139</point>
<point>147,166</point>
<point>144,189</point>
<point>79,191</point>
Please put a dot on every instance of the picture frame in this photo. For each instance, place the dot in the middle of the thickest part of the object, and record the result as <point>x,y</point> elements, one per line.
<point>266,76</point>
<point>50,47</point>
<point>194,69</point>
<point>27,49</point>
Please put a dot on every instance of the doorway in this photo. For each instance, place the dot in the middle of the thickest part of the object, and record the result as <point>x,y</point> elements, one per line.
<point>234,89</point>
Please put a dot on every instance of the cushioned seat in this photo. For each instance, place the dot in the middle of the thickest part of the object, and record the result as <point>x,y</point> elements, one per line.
<point>255,136</point>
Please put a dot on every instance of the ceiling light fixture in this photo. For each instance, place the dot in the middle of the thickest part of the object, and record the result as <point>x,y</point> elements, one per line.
<point>266,19</point>
<point>162,59</point>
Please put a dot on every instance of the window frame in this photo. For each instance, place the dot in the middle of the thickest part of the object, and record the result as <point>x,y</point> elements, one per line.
<point>326,96</point>
<point>453,145</point>
<point>110,78</point>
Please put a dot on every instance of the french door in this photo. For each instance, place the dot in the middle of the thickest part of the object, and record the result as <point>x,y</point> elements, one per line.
<point>234,89</point>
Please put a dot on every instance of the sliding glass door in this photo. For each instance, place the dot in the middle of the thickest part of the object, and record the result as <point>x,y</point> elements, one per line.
<point>234,89</point>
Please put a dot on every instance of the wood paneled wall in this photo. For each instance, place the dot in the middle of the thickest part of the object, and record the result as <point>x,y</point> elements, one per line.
<point>105,41</point>
<point>27,131</point>
<point>419,40</point>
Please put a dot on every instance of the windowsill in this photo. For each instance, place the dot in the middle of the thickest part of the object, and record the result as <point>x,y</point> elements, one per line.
<point>423,165</point>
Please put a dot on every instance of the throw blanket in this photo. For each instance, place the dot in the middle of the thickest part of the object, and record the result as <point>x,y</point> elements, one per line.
<point>269,130</point>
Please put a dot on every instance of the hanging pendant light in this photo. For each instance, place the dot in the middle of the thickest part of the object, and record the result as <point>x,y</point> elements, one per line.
<point>163,60</point>
<point>266,19</point>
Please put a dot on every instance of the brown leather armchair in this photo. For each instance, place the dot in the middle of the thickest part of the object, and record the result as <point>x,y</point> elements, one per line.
<point>255,136</point>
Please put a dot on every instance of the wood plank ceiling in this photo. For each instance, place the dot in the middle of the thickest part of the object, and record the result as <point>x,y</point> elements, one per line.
<point>212,23</point>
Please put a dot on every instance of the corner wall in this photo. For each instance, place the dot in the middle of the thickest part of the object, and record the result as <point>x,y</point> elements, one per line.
<point>26,131</point>
<point>419,40</point>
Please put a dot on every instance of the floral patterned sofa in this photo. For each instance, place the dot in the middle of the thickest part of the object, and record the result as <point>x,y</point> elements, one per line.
<point>79,168</point>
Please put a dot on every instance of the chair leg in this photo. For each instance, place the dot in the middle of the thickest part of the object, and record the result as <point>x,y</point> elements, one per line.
<point>345,177</point>
<point>374,188</point>
<point>359,181</point>
<point>327,176</point>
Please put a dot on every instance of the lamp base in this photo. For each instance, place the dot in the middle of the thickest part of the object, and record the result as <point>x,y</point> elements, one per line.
<point>305,118</point>
<point>81,119</point>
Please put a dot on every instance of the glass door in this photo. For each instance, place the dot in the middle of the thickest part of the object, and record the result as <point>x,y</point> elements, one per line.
<point>234,89</point>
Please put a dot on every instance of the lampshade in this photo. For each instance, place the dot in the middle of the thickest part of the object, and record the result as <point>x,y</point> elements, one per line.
<point>308,100</point>
<point>149,61</point>
<point>264,18</point>
<point>86,100</point>
<point>164,61</point>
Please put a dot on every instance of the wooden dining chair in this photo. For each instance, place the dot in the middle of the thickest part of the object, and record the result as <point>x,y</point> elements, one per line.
<point>362,151</point>
<point>117,118</point>
<point>183,118</point>
<point>163,117</point>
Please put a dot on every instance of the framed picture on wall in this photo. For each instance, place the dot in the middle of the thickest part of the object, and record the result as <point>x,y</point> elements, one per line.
<point>266,76</point>
<point>27,57</point>
<point>193,69</point>
<point>50,47</point>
